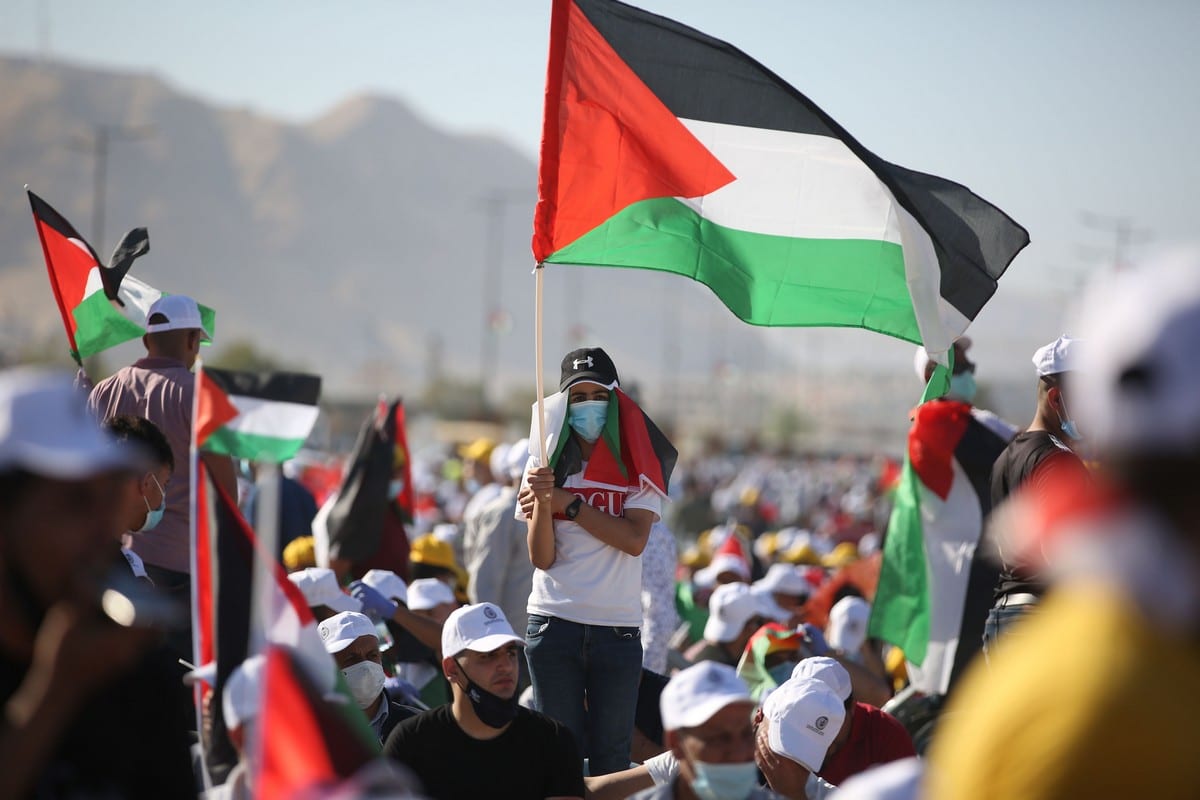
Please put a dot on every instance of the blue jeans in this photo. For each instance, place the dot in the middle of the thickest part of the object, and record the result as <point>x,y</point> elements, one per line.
<point>570,662</point>
<point>999,622</point>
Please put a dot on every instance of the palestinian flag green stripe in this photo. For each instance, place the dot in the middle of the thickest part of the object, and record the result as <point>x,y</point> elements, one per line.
<point>830,282</point>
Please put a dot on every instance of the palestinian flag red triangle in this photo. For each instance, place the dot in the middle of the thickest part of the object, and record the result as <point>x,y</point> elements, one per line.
<point>607,140</point>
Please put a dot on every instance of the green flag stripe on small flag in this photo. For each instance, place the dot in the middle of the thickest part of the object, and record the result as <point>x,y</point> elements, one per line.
<point>900,613</point>
<point>256,416</point>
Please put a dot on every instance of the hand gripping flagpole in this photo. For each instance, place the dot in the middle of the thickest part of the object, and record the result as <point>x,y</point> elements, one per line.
<point>538,270</point>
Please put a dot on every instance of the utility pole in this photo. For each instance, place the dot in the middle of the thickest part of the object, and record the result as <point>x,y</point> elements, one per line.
<point>1125,234</point>
<point>494,204</point>
<point>102,136</point>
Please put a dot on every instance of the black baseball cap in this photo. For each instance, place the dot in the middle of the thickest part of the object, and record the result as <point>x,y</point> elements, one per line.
<point>587,364</point>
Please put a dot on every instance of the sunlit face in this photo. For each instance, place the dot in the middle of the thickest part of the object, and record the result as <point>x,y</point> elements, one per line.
<point>496,671</point>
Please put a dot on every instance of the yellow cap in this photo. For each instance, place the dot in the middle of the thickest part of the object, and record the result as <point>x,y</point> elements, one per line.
<point>803,553</point>
<point>431,550</point>
<point>478,450</point>
<point>300,553</point>
<point>694,558</point>
<point>843,555</point>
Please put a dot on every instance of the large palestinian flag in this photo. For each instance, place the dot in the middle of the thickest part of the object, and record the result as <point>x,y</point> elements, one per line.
<point>260,416</point>
<point>101,305</point>
<point>631,452</point>
<point>933,594</point>
<point>665,149</point>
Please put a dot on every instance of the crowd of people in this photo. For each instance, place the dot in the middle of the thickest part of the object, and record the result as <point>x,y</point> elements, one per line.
<point>587,615</point>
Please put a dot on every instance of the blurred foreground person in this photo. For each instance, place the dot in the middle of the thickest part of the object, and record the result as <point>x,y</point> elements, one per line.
<point>483,744</point>
<point>82,696</point>
<point>1096,697</point>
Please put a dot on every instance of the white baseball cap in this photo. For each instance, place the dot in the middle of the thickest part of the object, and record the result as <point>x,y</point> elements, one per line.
<point>723,562</point>
<point>803,716</point>
<point>498,461</point>
<point>767,605</point>
<point>480,627</point>
<point>387,583</point>
<point>730,607</point>
<point>427,593</point>
<point>341,630</point>
<point>695,694</point>
<point>824,668</point>
<point>517,458</point>
<point>320,588</point>
<point>784,579</point>
<point>847,628</point>
<point>45,428</point>
<point>1139,377</point>
<point>1061,355</point>
<point>181,312</point>
<point>243,691</point>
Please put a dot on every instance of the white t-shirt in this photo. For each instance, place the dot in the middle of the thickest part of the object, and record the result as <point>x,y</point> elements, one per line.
<point>591,582</point>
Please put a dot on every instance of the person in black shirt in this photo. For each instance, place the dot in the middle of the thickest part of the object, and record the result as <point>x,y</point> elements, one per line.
<point>1034,460</point>
<point>483,744</point>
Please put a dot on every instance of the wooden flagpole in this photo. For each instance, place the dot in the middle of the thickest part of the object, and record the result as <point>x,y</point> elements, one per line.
<point>537,358</point>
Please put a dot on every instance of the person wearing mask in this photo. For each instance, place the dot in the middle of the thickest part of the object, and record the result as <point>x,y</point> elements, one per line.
<point>589,513</point>
<point>145,495</point>
<point>483,743</point>
<point>706,715</point>
<point>1037,457</point>
<point>159,387</point>
<point>351,639</point>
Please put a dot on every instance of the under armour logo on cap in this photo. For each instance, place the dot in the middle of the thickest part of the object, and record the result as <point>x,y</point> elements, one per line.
<point>587,364</point>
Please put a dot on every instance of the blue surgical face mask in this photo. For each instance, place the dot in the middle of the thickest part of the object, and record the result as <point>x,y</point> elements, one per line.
<point>153,515</point>
<point>962,387</point>
<point>724,781</point>
<point>587,418</point>
<point>1069,428</point>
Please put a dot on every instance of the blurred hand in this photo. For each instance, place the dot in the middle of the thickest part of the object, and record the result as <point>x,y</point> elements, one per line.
<point>541,482</point>
<point>815,639</point>
<point>374,604</point>
<point>784,776</point>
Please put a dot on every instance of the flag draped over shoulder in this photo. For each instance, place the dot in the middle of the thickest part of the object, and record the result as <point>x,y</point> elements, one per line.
<point>356,519</point>
<point>666,149</point>
<point>101,305</point>
<point>933,593</point>
<point>631,452</point>
<point>257,416</point>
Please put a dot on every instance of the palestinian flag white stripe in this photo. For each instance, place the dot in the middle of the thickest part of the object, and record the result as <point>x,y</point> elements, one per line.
<point>274,418</point>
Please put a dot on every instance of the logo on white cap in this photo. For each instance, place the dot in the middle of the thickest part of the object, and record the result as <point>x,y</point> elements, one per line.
<point>489,612</point>
<point>819,725</point>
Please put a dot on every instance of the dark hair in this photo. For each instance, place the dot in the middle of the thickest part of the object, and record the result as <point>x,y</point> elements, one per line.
<point>13,484</point>
<point>144,435</point>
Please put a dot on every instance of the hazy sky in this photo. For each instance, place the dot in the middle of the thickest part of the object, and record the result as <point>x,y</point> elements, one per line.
<point>1047,109</point>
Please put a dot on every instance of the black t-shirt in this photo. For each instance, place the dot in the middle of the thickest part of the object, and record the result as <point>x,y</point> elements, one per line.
<point>1014,466</point>
<point>534,758</point>
<point>128,741</point>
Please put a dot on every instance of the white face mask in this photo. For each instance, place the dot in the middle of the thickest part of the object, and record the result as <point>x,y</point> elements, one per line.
<point>365,680</point>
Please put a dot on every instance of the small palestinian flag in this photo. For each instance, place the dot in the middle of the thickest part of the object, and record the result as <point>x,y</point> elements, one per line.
<point>307,743</point>
<point>631,452</point>
<point>257,416</point>
<point>357,521</point>
<point>666,149</point>
<point>101,306</point>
